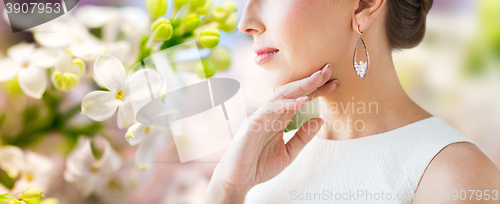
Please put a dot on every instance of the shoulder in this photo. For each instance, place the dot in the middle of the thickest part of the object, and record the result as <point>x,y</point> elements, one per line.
<point>459,167</point>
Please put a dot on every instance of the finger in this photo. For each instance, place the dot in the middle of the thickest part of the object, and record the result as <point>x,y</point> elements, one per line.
<point>324,90</point>
<point>297,87</point>
<point>303,136</point>
<point>325,80</point>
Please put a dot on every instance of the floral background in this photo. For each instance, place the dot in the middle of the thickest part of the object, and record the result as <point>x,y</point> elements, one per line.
<point>56,139</point>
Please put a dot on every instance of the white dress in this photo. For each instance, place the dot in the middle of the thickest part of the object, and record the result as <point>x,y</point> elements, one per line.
<point>381,168</point>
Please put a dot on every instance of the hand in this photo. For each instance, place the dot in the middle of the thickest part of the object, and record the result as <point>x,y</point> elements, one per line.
<point>258,151</point>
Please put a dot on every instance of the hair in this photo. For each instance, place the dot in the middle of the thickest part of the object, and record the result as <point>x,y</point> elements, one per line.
<point>406,22</point>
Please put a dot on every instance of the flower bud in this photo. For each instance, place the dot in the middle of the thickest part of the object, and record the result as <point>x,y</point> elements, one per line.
<point>222,11</point>
<point>32,195</point>
<point>209,37</point>
<point>50,201</point>
<point>180,3</point>
<point>206,68</point>
<point>157,8</point>
<point>221,58</point>
<point>197,3</point>
<point>192,21</point>
<point>64,81</point>
<point>162,29</point>
<point>205,8</point>
<point>230,24</point>
<point>13,201</point>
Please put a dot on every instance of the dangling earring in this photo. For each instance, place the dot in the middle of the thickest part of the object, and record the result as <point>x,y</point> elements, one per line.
<point>362,67</point>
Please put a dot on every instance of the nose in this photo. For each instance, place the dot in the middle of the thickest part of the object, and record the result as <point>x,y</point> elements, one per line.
<point>250,22</point>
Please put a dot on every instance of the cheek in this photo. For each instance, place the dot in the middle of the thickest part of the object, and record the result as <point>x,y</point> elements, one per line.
<point>297,29</point>
<point>306,33</point>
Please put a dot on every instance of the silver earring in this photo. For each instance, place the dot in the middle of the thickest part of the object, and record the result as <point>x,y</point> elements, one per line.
<point>362,67</point>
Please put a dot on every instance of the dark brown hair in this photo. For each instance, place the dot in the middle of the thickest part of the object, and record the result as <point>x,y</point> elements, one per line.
<point>406,22</point>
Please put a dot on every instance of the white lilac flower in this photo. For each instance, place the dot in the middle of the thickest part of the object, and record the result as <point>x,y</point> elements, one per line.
<point>66,32</point>
<point>28,64</point>
<point>148,137</point>
<point>88,173</point>
<point>101,105</point>
<point>68,72</point>
<point>128,22</point>
<point>110,73</point>
<point>123,51</point>
<point>11,160</point>
<point>93,16</point>
<point>30,169</point>
<point>37,171</point>
<point>131,21</point>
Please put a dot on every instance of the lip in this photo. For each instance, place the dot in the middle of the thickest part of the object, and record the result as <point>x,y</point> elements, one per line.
<point>264,54</point>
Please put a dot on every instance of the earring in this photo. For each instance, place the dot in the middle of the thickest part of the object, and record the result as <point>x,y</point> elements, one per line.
<point>362,67</point>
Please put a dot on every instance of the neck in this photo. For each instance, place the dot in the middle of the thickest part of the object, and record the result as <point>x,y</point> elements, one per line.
<point>363,107</point>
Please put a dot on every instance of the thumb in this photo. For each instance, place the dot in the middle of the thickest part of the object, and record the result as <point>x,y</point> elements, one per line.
<point>303,136</point>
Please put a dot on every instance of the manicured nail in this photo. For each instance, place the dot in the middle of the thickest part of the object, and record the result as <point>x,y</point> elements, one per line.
<point>316,73</point>
<point>303,98</point>
<point>327,66</point>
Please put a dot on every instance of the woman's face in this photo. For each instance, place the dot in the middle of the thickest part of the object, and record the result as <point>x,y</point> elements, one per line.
<point>307,34</point>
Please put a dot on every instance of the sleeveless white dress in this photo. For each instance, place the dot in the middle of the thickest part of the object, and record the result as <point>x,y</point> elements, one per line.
<point>381,168</point>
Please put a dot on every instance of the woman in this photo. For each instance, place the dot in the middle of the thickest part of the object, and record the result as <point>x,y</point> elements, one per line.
<point>395,153</point>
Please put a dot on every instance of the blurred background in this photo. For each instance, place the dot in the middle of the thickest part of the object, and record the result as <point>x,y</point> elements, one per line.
<point>454,74</point>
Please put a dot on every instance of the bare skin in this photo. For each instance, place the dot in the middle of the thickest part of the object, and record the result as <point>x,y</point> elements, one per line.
<point>310,34</point>
<point>255,156</point>
<point>463,168</point>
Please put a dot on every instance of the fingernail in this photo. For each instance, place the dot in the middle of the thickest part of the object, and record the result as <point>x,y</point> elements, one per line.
<point>315,73</point>
<point>303,98</point>
<point>336,81</point>
<point>325,68</point>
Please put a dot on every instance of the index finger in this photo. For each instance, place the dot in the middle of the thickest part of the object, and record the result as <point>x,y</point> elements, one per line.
<point>299,87</point>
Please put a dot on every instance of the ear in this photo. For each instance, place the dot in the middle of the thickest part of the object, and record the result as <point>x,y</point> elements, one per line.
<point>366,11</point>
